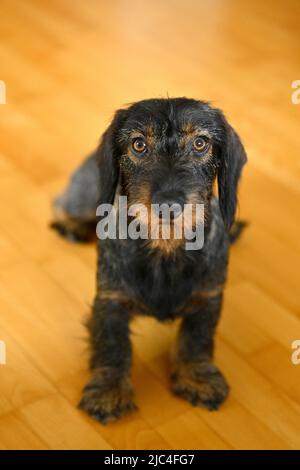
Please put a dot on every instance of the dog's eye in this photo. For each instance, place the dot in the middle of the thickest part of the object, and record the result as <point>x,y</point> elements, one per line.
<point>200,144</point>
<point>139,145</point>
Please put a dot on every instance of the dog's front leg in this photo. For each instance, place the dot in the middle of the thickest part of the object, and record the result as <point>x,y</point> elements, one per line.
<point>109,394</point>
<point>195,377</point>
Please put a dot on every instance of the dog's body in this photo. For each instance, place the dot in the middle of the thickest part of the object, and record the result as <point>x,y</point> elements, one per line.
<point>157,151</point>
<point>162,286</point>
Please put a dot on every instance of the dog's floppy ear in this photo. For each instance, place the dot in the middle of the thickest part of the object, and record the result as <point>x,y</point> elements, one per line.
<point>108,159</point>
<point>231,160</point>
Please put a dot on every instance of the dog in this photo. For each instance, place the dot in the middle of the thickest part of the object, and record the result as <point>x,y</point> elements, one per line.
<point>163,151</point>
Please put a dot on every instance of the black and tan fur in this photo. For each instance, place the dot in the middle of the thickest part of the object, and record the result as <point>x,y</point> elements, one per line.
<point>157,277</point>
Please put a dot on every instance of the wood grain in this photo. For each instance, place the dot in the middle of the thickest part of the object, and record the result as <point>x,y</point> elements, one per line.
<point>67,66</point>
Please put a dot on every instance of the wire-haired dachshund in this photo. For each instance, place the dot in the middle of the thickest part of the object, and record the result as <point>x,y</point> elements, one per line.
<point>163,151</point>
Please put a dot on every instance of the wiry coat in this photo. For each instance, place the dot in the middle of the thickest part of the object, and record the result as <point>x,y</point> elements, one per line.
<point>157,278</point>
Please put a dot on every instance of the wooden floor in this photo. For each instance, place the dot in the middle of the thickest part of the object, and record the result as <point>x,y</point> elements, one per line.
<point>67,65</point>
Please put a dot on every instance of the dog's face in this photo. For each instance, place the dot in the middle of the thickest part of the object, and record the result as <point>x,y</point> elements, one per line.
<point>170,151</point>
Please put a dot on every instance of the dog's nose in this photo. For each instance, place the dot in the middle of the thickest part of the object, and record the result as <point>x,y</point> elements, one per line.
<point>174,200</point>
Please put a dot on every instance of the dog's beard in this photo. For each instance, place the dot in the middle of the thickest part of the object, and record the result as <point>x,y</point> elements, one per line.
<point>168,234</point>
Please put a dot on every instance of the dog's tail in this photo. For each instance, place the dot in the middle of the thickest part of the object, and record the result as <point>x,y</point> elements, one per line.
<point>236,230</point>
<point>75,209</point>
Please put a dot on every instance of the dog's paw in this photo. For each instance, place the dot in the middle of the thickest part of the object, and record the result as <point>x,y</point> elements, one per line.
<point>77,232</point>
<point>202,384</point>
<point>106,402</point>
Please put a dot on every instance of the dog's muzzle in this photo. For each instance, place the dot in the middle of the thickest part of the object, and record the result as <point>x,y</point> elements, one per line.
<point>171,204</point>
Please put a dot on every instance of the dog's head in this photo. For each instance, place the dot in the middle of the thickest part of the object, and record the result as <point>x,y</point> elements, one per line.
<point>170,151</point>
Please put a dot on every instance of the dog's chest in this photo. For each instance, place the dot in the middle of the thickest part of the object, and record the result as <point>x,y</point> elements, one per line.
<point>162,285</point>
